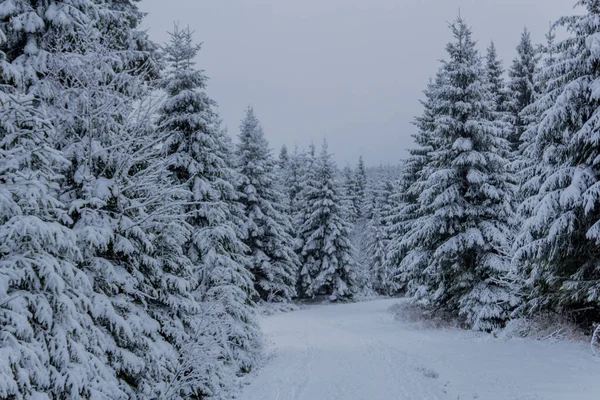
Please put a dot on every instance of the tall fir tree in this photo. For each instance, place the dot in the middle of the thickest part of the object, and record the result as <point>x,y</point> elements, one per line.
<point>274,264</point>
<point>521,87</point>
<point>50,346</point>
<point>349,194</point>
<point>464,231</point>
<point>306,161</point>
<point>289,177</point>
<point>360,188</point>
<point>77,57</point>
<point>326,254</point>
<point>198,155</point>
<point>495,76</point>
<point>529,172</point>
<point>93,98</point>
<point>36,31</point>
<point>283,172</point>
<point>406,207</point>
<point>381,276</point>
<point>557,248</point>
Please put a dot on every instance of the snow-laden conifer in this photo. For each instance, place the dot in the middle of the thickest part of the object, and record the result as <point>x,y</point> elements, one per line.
<point>558,245</point>
<point>360,189</point>
<point>381,274</point>
<point>267,228</point>
<point>521,87</point>
<point>326,254</point>
<point>199,155</point>
<point>93,97</point>
<point>50,345</point>
<point>406,207</point>
<point>464,231</point>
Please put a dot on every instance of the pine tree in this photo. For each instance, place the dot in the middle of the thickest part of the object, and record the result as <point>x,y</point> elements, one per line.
<point>50,343</point>
<point>274,264</point>
<point>495,77</point>
<point>406,207</point>
<point>528,171</point>
<point>283,173</point>
<point>82,62</point>
<point>466,205</point>
<point>381,277</point>
<point>326,254</point>
<point>349,194</point>
<point>198,156</point>
<point>36,31</point>
<point>93,103</point>
<point>557,248</point>
<point>289,175</point>
<point>284,158</point>
<point>360,188</point>
<point>306,161</point>
<point>521,87</point>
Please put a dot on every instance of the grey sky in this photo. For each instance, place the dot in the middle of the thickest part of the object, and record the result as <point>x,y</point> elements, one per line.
<point>348,70</point>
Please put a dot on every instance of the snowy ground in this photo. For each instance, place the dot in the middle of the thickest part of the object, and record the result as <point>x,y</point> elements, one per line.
<point>362,352</point>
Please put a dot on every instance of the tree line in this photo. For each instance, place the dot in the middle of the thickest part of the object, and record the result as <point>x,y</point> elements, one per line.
<point>136,236</point>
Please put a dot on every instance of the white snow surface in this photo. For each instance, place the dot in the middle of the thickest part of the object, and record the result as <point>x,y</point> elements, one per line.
<point>363,351</point>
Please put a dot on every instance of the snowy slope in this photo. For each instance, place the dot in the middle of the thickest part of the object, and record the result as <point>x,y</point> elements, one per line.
<point>361,352</point>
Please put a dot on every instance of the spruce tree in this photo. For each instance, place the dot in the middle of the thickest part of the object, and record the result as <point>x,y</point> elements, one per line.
<point>521,87</point>
<point>36,31</point>
<point>50,343</point>
<point>306,161</point>
<point>464,231</point>
<point>381,277</point>
<point>406,207</point>
<point>495,76</point>
<point>93,98</point>
<point>326,254</point>
<point>557,248</point>
<point>360,189</point>
<point>529,172</point>
<point>284,158</point>
<point>273,261</point>
<point>349,194</point>
<point>79,60</point>
<point>199,156</point>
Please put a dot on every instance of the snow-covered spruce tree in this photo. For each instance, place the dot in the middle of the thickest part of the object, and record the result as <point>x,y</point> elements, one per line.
<point>50,346</point>
<point>521,88</point>
<point>406,207</point>
<point>349,194</point>
<point>381,277</point>
<point>293,181</point>
<point>93,95</point>
<point>184,322</point>
<point>360,188</point>
<point>326,254</point>
<point>529,173</point>
<point>557,249</point>
<point>464,231</point>
<point>284,158</point>
<point>282,171</point>
<point>495,76</point>
<point>76,57</point>
<point>274,264</point>
<point>37,30</point>
<point>306,161</point>
<point>30,27</point>
<point>198,155</point>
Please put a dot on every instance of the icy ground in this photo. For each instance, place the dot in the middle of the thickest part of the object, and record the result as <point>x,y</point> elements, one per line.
<point>362,352</point>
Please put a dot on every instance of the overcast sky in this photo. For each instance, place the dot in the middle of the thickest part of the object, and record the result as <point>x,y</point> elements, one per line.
<point>348,70</point>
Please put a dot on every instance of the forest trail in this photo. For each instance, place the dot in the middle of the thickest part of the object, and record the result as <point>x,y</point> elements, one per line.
<point>361,351</point>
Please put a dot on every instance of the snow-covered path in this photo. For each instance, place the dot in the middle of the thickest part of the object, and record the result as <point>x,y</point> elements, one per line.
<point>361,352</point>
